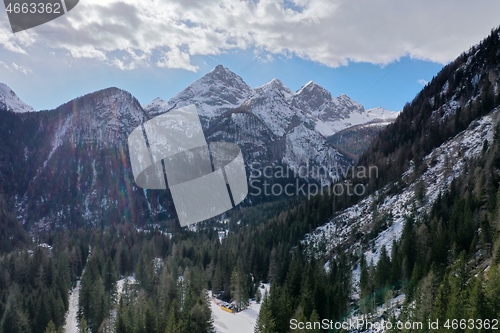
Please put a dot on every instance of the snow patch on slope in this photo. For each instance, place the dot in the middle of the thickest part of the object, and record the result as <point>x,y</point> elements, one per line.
<point>378,116</point>
<point>10,101</point>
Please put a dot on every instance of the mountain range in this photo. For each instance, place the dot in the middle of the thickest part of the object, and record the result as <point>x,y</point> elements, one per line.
<point>70,165</point>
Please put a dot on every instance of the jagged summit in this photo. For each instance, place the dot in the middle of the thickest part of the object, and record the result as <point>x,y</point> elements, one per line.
<point>217,90</point>
<point>310,87</point>
<point>275,85</point>
<point>11,102</point>
<point>273,103</point>
<point>223,75</point>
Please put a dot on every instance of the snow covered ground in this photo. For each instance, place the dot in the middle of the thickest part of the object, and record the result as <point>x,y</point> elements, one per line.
<point>72,315</point>
<point>71,325</point>
<point>241,322</point>
<point>120,283</point>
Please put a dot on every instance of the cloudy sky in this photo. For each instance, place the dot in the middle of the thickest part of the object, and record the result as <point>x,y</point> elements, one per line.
<point>379,52</point>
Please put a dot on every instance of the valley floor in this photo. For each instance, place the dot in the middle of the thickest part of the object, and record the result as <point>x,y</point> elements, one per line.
<point>241,322</point>
<point>72,315</point>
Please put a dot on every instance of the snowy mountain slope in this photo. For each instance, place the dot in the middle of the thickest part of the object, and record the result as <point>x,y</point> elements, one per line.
<point>283,126</point>
<point>218,90</point>
<point>10,101</point>
<point>304,145</point>
<point>371,116</point>
<point>444,164</point>
<point>271,104</point>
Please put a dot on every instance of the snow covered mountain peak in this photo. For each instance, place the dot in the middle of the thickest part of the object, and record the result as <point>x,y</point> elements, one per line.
<point>273,103</point>
<point>274,86</point>
<point>312,87</point>
<point>312,98</point>
<point>156,106</point>
<point>348,103</point>
<point>10,101</point>
<point>226,76</point>
<point>382,114</point>
<point>213,93</point>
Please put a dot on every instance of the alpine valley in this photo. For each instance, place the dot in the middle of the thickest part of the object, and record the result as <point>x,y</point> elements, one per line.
<point>83,249</point>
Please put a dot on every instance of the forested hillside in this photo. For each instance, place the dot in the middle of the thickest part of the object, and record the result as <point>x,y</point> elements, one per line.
<point>464,90</point>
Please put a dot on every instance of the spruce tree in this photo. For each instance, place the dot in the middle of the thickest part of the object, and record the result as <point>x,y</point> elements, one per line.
<point>51,327</point>
<point>239,288</point>
<point>493,291</point>
<point>83,327</point>
<point>266,323</point>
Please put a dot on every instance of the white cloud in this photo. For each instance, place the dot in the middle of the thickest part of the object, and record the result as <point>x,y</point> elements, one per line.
<point>15,67</point>
<point>422,82</point>
<point>4,65</point>
<point>129,34</point>
<point>176,59</point>
<point>21,69</point>
<point>16,43</point>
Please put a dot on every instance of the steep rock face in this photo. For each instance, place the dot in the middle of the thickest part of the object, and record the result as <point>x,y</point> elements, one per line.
<point>105,117</point>
<point>270,104</point>
<point>69,166</point>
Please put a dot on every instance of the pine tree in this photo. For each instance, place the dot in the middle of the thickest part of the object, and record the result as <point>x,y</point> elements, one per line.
<point>258,295</point>
<point>51,327</point>
<point>383,272</point>
<point>301,318</point>
<point>266,323</point>
<point>172,324</point>
<point>314,319</point>
<point>273,272</point>
<point>364,279</point>
<point>493,291</point>
<point>239,288</point>
<point>442,299</point>
<point>456,307</point>
<point>477,306</point>
<point>83,327</point>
